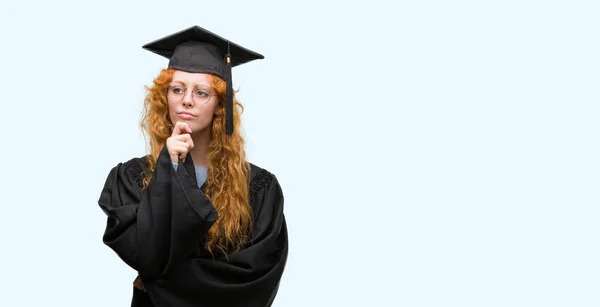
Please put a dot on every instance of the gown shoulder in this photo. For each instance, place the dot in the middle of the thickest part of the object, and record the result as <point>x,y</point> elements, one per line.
<point>260,179</point>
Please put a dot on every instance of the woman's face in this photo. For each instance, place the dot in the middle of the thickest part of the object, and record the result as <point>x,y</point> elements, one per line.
<point>190,98</point>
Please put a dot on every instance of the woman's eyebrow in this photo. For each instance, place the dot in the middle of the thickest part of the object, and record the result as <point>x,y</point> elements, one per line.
<point>185,84</point>
<point>178,82</point>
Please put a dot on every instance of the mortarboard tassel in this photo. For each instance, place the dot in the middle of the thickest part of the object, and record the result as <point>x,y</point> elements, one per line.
<point>229,96</point>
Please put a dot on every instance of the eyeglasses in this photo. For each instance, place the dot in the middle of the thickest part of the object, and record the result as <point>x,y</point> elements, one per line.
<point>200,95</point>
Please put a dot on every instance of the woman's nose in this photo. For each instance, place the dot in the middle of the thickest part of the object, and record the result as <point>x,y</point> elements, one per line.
<point>188,101</point>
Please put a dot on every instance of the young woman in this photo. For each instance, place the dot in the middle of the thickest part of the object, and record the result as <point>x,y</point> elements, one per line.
<point>201,225</point>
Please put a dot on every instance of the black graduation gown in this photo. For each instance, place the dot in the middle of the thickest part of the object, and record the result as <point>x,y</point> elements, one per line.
<point>160,233</point>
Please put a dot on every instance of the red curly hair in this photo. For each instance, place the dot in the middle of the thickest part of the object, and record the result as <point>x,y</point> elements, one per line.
<point>228,171</point>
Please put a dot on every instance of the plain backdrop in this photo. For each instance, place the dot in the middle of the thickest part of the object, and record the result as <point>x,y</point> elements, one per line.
<point>431,153</point>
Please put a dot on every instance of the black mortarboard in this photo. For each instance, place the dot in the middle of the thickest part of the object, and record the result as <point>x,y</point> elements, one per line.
<point>197,50</point>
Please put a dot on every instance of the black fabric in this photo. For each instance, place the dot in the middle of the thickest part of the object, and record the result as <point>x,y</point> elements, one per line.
<point>196,49</point>
<point>198,57</point>
<point>160,232</point>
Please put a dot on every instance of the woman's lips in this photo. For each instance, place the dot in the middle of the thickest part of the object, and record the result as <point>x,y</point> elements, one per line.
<point>185,115</point>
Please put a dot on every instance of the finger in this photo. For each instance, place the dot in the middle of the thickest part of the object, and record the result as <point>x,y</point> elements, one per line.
<point>137,282</point>
<point>187,127</point>
<point>179,149</point>
<point>177,140</point>
<point>176,129</point>
<point>185,138</point>
<point>184,127</point>
<point>181,127</point>
<point>182,156</point>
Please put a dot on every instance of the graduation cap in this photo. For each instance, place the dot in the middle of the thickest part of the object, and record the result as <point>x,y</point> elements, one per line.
<point>197,50</point>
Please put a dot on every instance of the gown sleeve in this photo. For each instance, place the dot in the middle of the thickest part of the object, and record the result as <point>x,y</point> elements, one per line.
<point>155,229</point>
<point>249,277</point>
<point>258,268</point>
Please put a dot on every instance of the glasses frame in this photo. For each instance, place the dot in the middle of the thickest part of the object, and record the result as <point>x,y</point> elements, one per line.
<point>185,89</point>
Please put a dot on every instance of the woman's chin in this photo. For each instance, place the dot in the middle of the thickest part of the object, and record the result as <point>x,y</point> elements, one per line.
<point>199,130</point>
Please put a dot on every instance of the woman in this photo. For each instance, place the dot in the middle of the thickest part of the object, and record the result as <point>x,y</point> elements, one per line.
<point>200,224</point>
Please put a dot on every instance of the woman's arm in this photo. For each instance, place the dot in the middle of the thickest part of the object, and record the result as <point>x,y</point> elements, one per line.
<point>157,228</point>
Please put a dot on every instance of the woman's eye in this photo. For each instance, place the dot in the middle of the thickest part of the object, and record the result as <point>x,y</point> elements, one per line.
<point>201,93</point>
<point>177,90</point>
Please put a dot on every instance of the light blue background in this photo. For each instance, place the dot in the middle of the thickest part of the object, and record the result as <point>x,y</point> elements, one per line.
<point>432,153</point>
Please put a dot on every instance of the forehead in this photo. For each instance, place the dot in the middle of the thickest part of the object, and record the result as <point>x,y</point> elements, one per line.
<point>191,78</point>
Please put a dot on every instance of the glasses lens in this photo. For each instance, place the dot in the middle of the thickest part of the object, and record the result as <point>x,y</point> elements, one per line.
<point>175,93</point>
<point>201,95</point>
